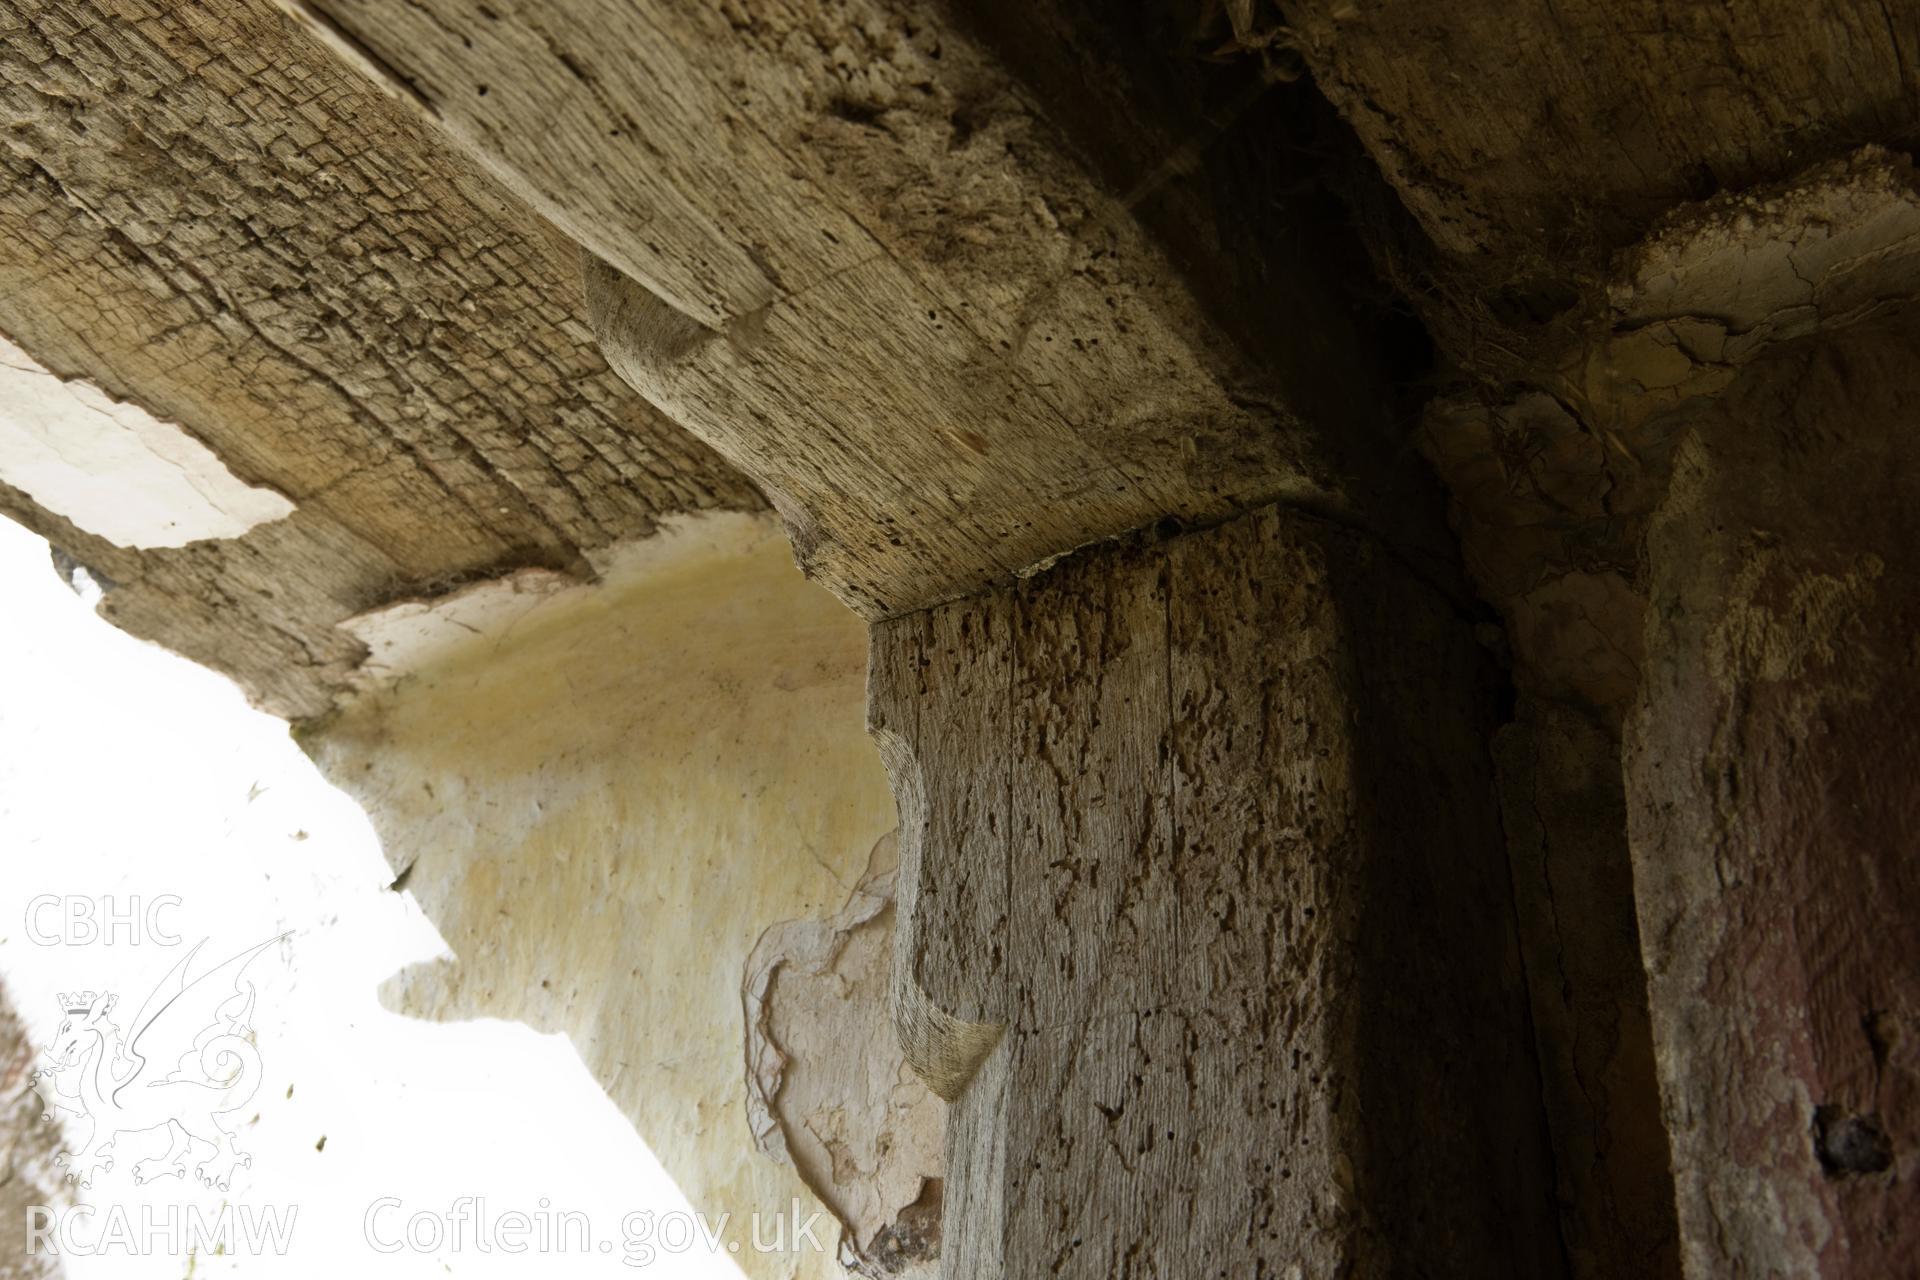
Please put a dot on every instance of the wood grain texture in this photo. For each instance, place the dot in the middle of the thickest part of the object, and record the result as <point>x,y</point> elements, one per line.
<point>204,212</point>
<point>948,1006</point>
<point>1554,491</point>
<point>1247,809</point>
<point>1532,134</point>
<point>1772,762</point>
<point>842,245</point>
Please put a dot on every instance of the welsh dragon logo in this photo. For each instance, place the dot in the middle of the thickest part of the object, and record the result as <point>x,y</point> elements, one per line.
<point>189,1065</point>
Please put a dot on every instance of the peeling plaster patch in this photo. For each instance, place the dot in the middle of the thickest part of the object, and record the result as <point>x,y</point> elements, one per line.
<point>408,636</point>
<point>828,1086</point>
<point>607,793</point>
<point>1774,264</point>
<point>113,468</point>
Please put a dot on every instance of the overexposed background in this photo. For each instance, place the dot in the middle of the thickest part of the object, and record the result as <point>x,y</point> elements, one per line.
<point>130,772</point>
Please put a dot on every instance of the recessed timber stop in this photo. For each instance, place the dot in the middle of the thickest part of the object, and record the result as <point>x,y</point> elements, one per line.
<point>1205,923</point>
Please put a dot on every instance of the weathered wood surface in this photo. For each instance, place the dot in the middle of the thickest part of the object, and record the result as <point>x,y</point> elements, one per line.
<point>843,247</point>
<point>202,211</point>
<point>1201,833</point>
<point>1554,484</point>
<point>1773,777</point>
<point>1533,136</point>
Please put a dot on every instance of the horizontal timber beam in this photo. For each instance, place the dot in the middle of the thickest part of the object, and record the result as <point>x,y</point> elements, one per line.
<point>839,243</point>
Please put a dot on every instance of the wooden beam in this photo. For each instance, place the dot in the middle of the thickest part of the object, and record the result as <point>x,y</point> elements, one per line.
<point>1532,137</point>
<point>1773,783</point>
<point>1205,923</point>
<point>841,245</point>
<point>203,212</point>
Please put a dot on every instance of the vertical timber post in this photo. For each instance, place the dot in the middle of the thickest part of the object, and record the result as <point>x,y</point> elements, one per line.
<point>1205,921</point>
<point>1773,779</point>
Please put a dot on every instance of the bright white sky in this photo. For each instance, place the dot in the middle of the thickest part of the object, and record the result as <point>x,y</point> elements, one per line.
<point>125,770</point>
